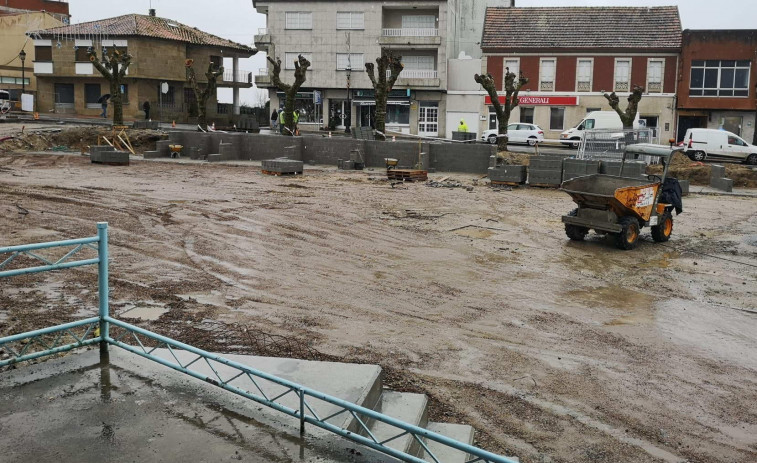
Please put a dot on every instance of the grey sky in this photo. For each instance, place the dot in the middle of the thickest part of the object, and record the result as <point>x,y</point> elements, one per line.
<point>237,20</point>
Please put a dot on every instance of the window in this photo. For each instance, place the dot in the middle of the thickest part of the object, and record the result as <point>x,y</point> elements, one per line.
<point>217,61</point>
<point>168,99</point>
<point>591,110</point>
<point>735,141</point>
<point>81,55</point>
<point>493,117</point>
<point>654,75</point>
<point>556,118</point>
<point>513,65</point>
<point>584,75</point>
<point>397,113</point>
<point>299,20</point>
<point>14,80</point>
<point>353,61</point>
<point>350,20</point>
<point>719,78</point>
<point>527,115</point>
<point>310,112</point>
<point>623,75</point>
<point>91,95</point>
<point>418,63</point>
<point>64,94</point>
<point>547,74</point>
<point>290,58</point>
<point>43,53</point>
<point>419,22</point>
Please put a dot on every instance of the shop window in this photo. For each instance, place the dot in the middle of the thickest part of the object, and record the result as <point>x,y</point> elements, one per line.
<point>397,114</point>
<point>527,115</point>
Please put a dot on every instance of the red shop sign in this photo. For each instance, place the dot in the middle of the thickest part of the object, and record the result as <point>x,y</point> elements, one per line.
<point>541,100</point>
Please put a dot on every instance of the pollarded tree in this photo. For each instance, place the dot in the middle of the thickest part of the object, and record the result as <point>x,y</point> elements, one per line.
<point>113,67</point>
<point>202,96</point>
<point>629,115</point>
<point>300,70</point>
<point>382,85</point>
<point>513,84</point>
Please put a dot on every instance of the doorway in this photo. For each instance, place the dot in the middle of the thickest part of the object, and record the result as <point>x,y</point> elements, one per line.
<point>690,122</point>
<point>367,114</point>
<point>428,119</point>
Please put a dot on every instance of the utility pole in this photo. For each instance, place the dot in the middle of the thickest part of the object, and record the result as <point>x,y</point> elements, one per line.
<point>349,96</point>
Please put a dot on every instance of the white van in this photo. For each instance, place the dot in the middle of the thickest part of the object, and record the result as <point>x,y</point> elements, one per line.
<point>594,120</point>
<point>701,144</point>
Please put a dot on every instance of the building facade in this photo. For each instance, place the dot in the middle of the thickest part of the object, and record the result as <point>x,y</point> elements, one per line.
<point>160,47</point>
<point>16,74</point>
<point>55,8</point>
<point>572,56</point>
<point>339,37</point>
<point>718,76</point>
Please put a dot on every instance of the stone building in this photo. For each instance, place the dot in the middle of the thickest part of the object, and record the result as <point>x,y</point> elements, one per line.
<point>55,8</point>
<point>574,55</point>
<point>718,75</point>
<point>69,83</point>
<point>339,37</point>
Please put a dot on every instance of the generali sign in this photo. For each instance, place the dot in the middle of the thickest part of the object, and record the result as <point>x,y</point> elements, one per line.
<point>541,100</point>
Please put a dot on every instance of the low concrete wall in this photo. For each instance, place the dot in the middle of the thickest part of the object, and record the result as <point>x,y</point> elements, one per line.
<point>443,157</point>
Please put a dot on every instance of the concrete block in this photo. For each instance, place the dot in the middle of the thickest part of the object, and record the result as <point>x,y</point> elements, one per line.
<point>161,147</point>
<point>506,173</point>
<point>684,187</point>
<point>408,407</point>
<point>100,148</point>
<point>459,432</point>
<point>459,157</point>
<point>573,168</point>
<point>546,163</point>
<point>150,125</point>
<point>214,158</point>
<point>151,155</point>
<point>492,161</point>
<point>113,158</point>
<point>717,172</point>
<point>544,177</point>
<point>193,152</point>
<point>725,184</point>
<point>283,166</point>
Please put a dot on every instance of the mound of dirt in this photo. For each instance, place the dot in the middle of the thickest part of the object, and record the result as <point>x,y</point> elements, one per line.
<point>514,159</point>
<point>698,173</point>
<point>77,138</point>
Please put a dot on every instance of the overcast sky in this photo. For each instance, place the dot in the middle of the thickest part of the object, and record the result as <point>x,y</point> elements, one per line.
<point>237,20</point>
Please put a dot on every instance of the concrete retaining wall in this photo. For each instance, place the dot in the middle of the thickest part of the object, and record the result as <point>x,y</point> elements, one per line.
<point>572,168</point>
<point>458,157</point>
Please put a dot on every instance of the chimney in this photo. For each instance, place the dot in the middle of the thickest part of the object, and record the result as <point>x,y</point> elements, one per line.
<point>152,11</point>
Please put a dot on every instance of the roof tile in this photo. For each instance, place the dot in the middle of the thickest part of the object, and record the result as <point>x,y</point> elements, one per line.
<point>582,28</point>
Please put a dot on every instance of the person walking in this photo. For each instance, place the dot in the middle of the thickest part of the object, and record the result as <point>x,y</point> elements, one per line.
<point>146,109</point>
<point>104,106</point>
<point>282,122</point>
<point>274,119</point>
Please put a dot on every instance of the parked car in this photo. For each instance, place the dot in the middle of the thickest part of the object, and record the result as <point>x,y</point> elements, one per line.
<point>701,144</point>
<point>517,133</point>
<point>595,120</point>
<point>5,102</point>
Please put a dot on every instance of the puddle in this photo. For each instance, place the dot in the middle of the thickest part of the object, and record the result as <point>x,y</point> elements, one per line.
<point>627,307</point>
<point>145,311</point>
<point>662,262</point>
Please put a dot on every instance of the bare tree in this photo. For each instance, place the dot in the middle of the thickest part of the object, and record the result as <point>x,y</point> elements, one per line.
<point>113,67</point>
<point>300,70</point>
<point>382,85</point>
<point>629,115</point>
<point>202,96</point>
<point>513,84</point>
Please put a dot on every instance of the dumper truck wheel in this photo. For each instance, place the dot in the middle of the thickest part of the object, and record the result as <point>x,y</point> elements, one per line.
<point>628,238</point>
<point>664,229</point>
<point>574,232</point>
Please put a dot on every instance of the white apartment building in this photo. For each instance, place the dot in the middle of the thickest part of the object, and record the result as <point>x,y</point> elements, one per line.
<point>339,37</point>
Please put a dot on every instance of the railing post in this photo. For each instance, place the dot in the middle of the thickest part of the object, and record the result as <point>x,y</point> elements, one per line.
<point>102,283</point>
<point>302,411</point>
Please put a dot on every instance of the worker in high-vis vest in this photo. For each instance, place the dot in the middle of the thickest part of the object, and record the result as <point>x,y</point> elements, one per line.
<point>463,127</point>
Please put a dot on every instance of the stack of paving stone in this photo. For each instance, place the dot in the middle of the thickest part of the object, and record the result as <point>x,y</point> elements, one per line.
<point>545,171</point>
<point>281,166</point>
<point>718,180</point>
<point>106,154</point>
<point>152,125</point>
<point>572,168</point>
<point>508,175</point>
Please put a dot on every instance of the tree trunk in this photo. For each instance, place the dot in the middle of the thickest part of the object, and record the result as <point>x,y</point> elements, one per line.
<point>513,85</point>
<point>382,86</point>
<point>289,125</point>
<point>380,122</point>
<point>503,120</point>
<point>300,76</point>
<point>113,67</point>
<point>118,103</point>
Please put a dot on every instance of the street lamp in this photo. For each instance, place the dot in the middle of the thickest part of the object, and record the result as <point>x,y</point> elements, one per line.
<point>22,56</point>
<point>348,111</point>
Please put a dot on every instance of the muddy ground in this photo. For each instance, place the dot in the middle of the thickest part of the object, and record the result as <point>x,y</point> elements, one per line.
<point>555,351</point>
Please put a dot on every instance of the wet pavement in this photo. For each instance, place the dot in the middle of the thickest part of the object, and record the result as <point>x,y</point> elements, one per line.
<point>122,408</point>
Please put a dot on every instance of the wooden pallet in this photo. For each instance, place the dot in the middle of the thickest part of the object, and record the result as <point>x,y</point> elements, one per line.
<point>278,174</point>
<point>407,175</point>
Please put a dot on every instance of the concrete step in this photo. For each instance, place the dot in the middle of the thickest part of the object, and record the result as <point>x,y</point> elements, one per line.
<point>404,406</point>
<point>459,432</point>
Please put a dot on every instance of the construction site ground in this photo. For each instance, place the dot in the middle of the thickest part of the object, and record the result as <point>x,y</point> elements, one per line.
<point>555,351</point>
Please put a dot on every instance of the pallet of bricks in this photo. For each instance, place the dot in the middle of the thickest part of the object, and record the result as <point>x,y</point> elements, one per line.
<point>545,171</point>
<point>508,175</point>
<point>282,166</point>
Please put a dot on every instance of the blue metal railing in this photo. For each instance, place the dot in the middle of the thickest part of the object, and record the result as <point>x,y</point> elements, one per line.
<point>340,417</point>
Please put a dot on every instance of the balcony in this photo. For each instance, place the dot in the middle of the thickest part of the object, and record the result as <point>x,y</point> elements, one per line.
<point>417,37</point>
<point>263,78</point>
<point>239,79</point>
<point>262,39</point>
<point>417,78</point>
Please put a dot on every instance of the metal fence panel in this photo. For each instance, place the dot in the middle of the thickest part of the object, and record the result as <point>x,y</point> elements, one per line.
<point>609,144</point>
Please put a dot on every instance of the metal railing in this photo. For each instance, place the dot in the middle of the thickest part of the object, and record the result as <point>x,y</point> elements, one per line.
<point>309,406</point>
<point>237,77</point>
<point>262,71</point>
<point>410,32</point>
<point>262,31</point>
<point>610,144</point>
<point>416,74</point>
